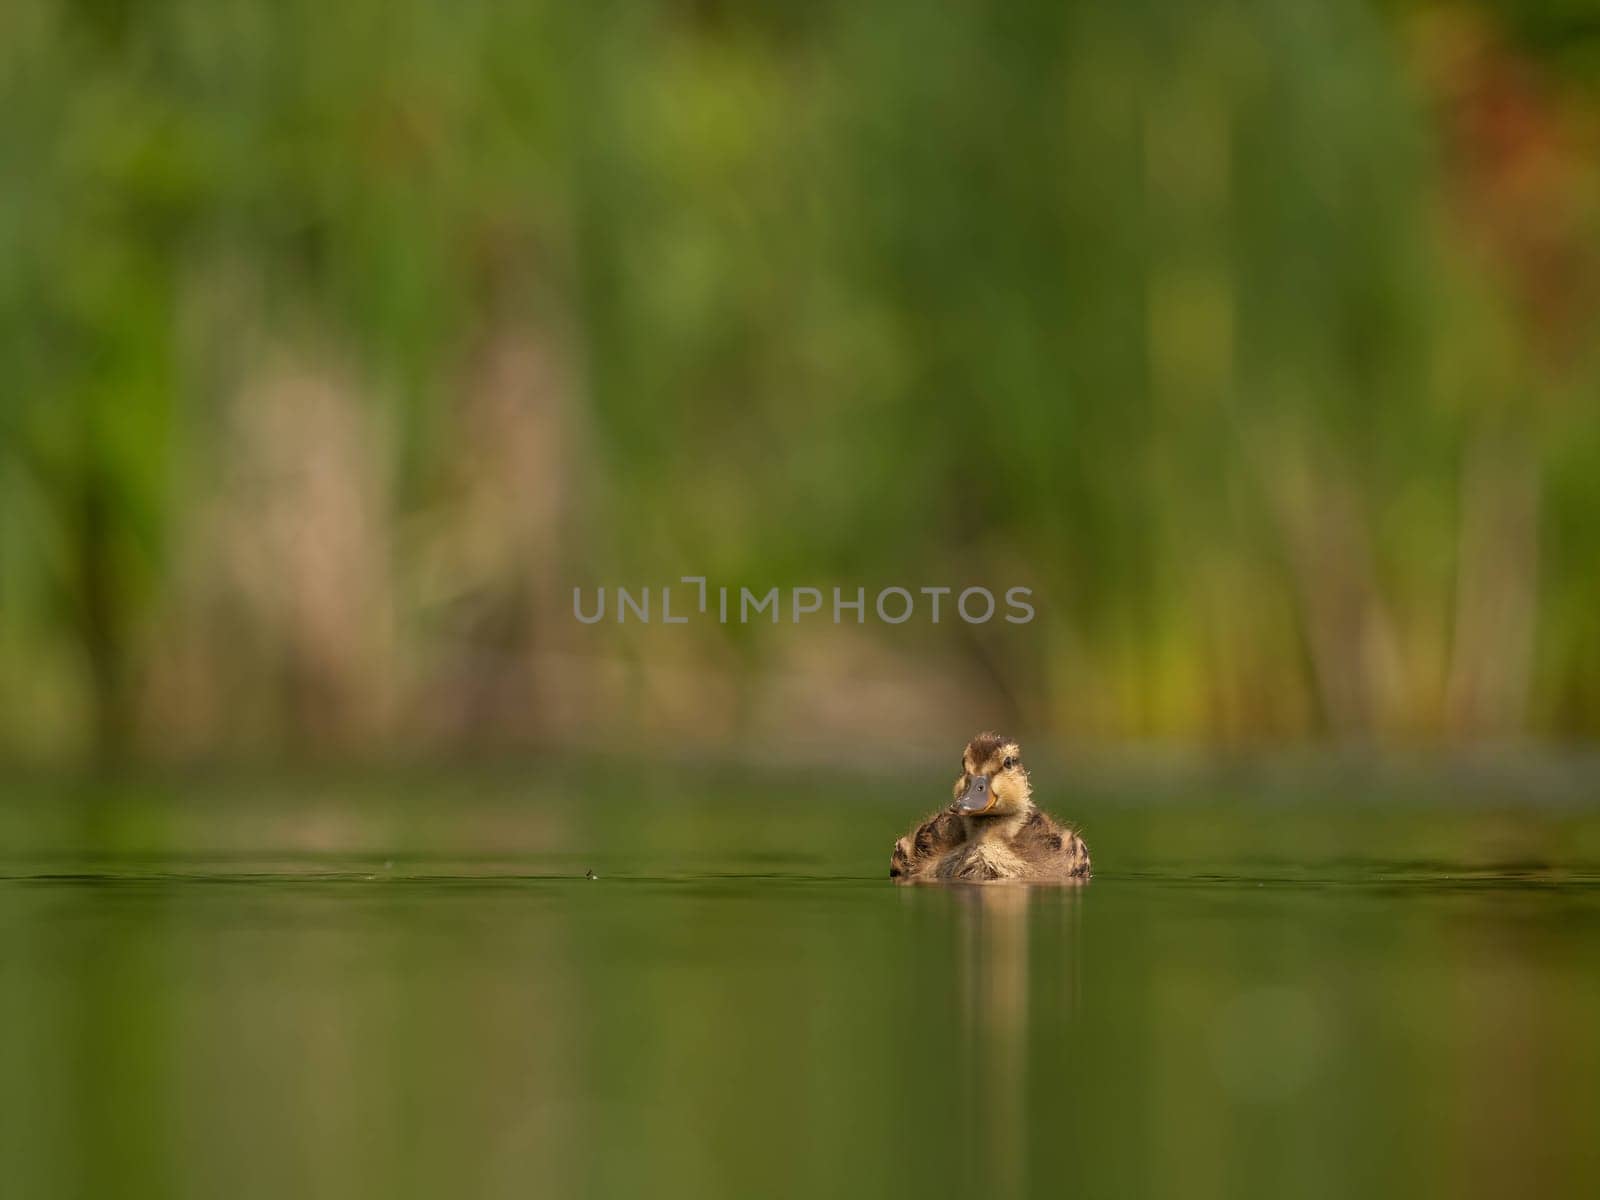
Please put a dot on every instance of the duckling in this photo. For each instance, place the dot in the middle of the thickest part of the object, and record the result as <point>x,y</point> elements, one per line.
<point>992,831</point>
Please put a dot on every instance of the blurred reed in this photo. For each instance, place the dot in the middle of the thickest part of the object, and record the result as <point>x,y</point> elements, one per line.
<point>342,342</point>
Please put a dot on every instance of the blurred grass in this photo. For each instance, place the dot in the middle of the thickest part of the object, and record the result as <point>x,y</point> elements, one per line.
<point>341,343</point>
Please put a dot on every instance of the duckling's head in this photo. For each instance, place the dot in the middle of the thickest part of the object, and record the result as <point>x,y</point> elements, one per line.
<point>993,781</point>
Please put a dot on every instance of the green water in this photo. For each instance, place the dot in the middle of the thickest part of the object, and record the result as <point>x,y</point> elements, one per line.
<point>404,985</point>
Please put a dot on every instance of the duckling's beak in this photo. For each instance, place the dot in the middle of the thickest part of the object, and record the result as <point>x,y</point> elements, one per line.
<point>978,798</point>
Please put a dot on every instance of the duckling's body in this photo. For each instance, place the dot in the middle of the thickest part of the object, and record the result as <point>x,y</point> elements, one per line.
<point>992,831</point>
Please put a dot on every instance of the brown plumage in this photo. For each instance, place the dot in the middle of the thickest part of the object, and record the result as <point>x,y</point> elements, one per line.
<point>992,831</point>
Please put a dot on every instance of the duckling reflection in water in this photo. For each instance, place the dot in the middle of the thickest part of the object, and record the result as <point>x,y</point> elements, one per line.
<point>992,831</point>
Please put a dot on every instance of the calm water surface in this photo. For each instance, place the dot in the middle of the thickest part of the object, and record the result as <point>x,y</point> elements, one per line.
<point>408,987</point>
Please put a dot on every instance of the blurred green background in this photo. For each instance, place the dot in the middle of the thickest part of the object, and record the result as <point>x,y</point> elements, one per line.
<point>342,341</point>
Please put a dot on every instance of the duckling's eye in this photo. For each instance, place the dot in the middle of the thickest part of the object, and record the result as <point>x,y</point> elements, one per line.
<point>1008,764</point>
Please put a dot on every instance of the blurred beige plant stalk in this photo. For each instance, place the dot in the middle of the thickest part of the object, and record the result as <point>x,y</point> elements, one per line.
<point>281,624</point>
<point>488,556</point>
